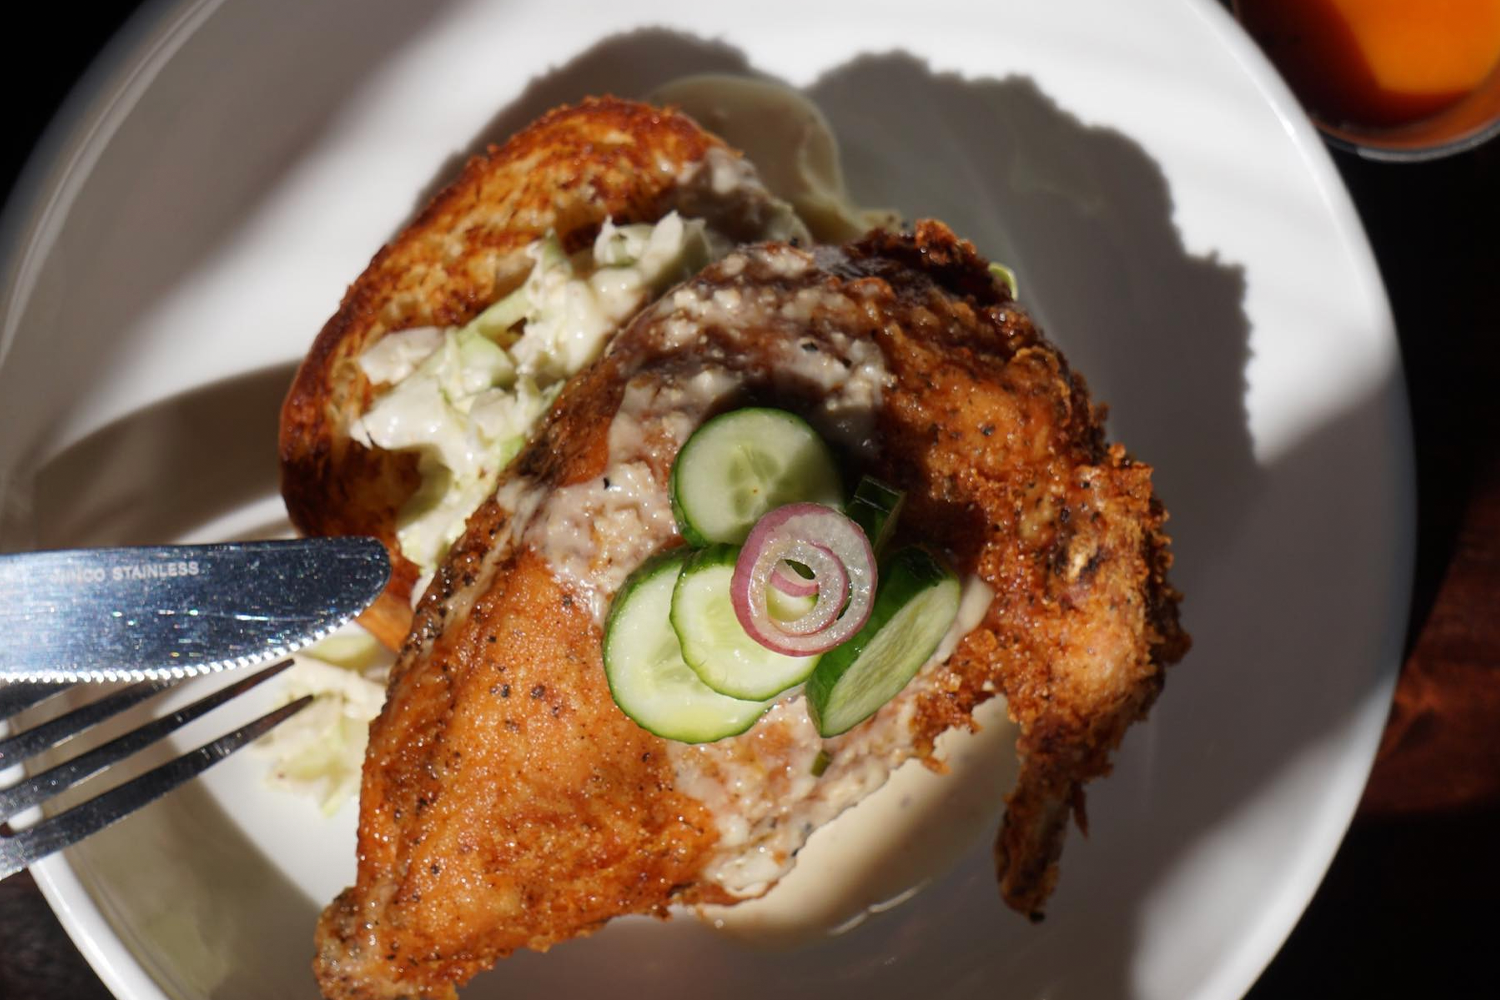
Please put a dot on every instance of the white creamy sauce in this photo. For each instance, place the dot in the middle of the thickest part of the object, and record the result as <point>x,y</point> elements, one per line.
<point>973,604</point>
<point>571,313</point>
<point>593,534</point>
<point>853,376</point>
<point>882,851</point>
<point>396,355</point>
<point>763,794</point>
<point>849,373</point>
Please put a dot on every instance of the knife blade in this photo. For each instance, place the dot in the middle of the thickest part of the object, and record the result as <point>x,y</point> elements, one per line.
<point>177,610</point>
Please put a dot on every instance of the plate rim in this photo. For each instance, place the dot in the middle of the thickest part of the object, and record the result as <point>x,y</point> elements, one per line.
<point>84,123</point>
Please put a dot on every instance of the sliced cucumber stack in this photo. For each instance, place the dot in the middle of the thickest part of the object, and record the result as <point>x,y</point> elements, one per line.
<point>697,643</point>
<point>647,675</point>
<point>714,643</point>
<point>916,603</point>
<point>744,463</point>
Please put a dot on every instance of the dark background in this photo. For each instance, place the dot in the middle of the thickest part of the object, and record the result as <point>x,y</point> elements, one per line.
<point>1411,904</point>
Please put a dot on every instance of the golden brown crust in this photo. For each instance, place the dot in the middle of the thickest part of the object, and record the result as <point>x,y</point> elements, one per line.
<point>508,803</point>
<point>569,171</point>
<point>993,436</point>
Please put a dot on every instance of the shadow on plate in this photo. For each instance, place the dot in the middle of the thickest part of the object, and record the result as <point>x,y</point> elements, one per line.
<point>159,473</point>
<point>217,86</point>
<point>187,889</point>
<point>628,65</point>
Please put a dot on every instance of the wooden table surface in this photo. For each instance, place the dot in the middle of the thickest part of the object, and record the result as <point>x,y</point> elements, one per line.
<point>1409,906</point>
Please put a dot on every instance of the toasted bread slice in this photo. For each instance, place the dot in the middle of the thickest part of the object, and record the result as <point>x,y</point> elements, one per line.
<point>568,172</point>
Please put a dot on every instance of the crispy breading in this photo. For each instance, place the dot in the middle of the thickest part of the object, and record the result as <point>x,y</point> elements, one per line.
<point>508,803</point>
<point>567,172</point>
<point>997,438</point>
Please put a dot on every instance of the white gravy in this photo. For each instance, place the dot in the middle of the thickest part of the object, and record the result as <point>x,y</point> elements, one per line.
<point>884,850</point>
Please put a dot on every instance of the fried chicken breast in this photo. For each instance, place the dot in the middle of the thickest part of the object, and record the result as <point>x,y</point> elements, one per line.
<point>508,803</point>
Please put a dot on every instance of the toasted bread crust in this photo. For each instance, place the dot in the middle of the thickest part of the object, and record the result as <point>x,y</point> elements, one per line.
<point>567,172</point>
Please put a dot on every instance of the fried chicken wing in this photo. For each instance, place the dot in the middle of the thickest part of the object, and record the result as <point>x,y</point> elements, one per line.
<point>508,803</point>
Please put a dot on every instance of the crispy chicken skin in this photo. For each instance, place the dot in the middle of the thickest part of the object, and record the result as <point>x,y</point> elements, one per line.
<point>568,172</point>
<point>507,803</point>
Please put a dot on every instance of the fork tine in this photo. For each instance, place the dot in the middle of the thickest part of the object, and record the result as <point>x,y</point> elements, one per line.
<point>43,786</point>
<point>39,737</point>
<point>67,828</point>
<point>18,696</point>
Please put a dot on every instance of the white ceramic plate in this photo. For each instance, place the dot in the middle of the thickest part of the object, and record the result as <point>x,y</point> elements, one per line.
<point>230,166</point>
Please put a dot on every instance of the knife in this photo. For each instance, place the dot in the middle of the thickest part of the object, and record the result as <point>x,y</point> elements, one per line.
<point>178,610</point>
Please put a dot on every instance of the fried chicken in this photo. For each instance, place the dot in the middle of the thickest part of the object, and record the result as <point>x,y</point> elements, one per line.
<point>508,803</point>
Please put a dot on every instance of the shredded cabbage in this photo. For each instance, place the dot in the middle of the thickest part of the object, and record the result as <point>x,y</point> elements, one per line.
<point>321,750</point>
<point>465,399</point>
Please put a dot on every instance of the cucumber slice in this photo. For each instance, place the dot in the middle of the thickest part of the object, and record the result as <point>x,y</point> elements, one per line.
<point>785,607</point>
<point>743,463</point>
<point>874,508</point>
<point>917,602</point>
<point>644,665</point>
<point>713,641</point>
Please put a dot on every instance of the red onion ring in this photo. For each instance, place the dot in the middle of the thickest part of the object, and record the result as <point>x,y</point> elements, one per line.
<point>791,583</point>
<point>830,581</point>
<point>843,566</point>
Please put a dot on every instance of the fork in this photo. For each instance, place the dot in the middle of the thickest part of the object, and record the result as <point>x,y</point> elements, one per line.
<point>19,849</point>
